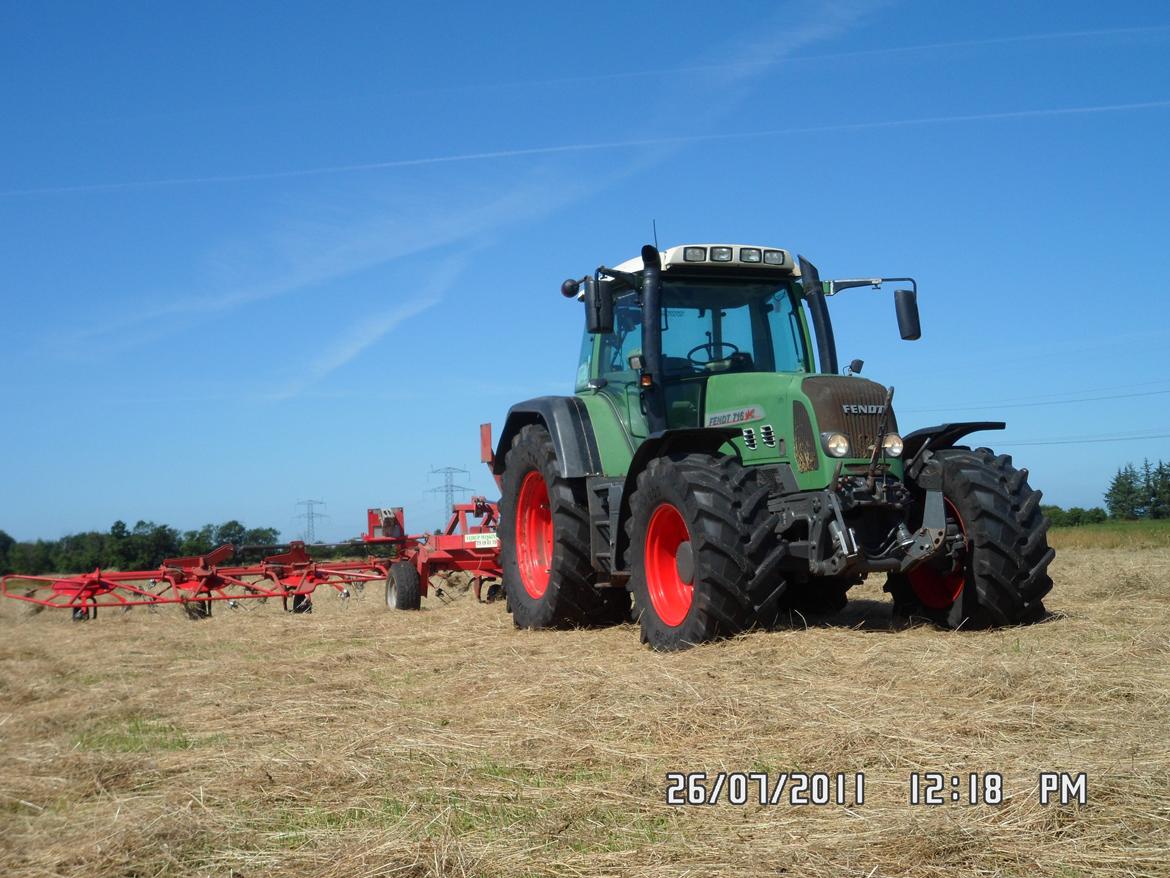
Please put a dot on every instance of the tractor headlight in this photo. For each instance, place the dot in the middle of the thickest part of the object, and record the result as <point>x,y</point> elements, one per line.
<point>694,254</point>
<point>749,254</point>
<point>720,254</point>
<point>774,257</point>
<point>892,445</point>
<point>836,444</point>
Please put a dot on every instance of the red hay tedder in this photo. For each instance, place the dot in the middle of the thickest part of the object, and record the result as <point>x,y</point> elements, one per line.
<point>468,543</point>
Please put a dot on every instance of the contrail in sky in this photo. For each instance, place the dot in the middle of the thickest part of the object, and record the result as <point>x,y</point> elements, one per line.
<point>588,147</point>
<point>829,56</point>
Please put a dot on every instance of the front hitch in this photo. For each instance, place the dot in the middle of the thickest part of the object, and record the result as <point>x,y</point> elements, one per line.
<point>928,539</point>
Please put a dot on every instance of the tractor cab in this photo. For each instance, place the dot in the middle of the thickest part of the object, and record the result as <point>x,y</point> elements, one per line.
<point>723,311</point>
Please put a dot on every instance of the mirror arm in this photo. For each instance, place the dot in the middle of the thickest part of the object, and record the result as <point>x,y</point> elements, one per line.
<point>835,286</point>
<point>631,280</point>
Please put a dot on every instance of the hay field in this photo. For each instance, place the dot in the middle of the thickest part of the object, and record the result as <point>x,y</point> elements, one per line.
<point>357,742</point>
<point>1146,534</point>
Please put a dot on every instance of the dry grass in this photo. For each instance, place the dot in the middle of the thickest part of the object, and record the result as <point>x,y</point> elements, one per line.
<point>358,742</point>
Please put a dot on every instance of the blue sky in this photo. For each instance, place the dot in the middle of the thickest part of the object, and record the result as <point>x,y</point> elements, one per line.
<point>256,253</point>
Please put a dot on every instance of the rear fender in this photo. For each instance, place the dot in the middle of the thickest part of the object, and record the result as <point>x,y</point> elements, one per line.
<point>567,421</point>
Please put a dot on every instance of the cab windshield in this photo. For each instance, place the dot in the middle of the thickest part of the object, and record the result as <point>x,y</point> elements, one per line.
<point>713,327</point>
<point>708,328</point>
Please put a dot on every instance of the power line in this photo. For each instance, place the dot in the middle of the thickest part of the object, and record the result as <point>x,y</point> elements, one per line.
<point>1129,385</point>
<point>310,515</point>
<point>1085,441</point>
<point>1020,405</point>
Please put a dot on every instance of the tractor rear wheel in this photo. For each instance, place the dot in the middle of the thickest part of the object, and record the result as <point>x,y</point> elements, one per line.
<point>702,550</point>
<point>402,587</point>
<point>996,572</point>
<point>544,539</point>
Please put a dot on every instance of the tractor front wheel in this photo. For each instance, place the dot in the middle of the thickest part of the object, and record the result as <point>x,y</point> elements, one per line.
<point>544,539</point>
<point>699,534</point>
<point>993,570</point>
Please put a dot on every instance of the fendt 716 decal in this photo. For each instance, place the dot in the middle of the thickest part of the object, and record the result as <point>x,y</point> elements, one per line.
<point>738,416</point>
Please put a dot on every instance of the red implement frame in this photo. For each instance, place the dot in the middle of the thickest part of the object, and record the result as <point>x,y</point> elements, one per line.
<point>468,543</point>
<point>197,580</point>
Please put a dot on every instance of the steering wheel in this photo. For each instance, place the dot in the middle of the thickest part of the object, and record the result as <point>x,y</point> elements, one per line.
<point>710,348</point>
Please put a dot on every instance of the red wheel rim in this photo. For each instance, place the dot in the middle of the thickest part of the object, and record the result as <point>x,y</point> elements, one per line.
<point>534,534</point>
<point>939,589</point>
<point>670,594</point>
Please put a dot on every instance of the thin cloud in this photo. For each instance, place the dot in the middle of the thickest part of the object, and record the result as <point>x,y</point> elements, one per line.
<point>323,256</point>
<point>599,146</point>
<point>324,253</point>
<point>369,331</point>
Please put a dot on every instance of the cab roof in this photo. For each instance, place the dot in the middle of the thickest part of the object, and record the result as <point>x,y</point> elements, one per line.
<point>733,256</point>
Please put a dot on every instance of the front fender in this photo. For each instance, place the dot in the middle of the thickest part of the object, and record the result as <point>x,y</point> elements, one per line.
<point>941,436</point>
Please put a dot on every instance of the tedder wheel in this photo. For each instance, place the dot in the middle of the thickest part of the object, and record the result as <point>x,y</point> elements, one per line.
<point>703,550</point>
<point>402,587</point>
<point>544,539</point>
<point>302,603</point>
<point>197,610</point>
<point>996,572</point>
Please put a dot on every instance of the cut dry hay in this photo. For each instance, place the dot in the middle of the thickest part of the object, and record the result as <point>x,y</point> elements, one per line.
<point>356,741</point>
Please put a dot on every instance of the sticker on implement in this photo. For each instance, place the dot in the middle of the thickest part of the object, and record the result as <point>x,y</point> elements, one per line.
<point>482,541</point>
<point>739,416</point>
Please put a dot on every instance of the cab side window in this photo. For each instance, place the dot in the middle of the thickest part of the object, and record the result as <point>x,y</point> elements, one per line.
<point>626,340</point>
<point>583,362</point>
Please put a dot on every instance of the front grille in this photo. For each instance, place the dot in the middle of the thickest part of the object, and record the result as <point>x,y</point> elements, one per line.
<point>804,442</point>
<point>830,395</point>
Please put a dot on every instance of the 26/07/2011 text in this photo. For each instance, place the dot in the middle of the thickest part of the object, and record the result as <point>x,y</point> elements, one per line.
<point>764,788</point>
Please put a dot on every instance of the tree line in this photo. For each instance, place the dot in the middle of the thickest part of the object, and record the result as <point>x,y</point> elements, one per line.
<point>142,547</point>
<point>1134,493</point>
<point>1140,493</point>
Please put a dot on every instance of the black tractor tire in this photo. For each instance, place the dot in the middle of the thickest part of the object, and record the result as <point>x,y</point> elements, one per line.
<point>1001,572</point>
<point>820,595</point>
<point>544,539</point>
<point>403,587</point>
<point>715,577</point>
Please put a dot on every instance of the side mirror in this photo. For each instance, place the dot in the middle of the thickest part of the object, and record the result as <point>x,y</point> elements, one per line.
<point>598,306</point>
<point>906,306</point>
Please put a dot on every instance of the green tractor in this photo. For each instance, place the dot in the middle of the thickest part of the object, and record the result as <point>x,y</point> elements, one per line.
<point>714,466</point>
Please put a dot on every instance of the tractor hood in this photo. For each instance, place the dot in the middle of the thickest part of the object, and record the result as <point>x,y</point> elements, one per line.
<point>783,415</point>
